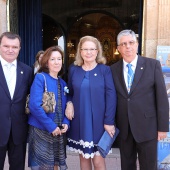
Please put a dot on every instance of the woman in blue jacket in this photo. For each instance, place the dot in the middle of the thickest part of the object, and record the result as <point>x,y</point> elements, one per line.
<point>93,97</point>
<point>46,134</point>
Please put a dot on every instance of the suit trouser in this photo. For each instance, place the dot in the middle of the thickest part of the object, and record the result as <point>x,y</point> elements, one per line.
<point>146,151</point>
<point>16,155</point>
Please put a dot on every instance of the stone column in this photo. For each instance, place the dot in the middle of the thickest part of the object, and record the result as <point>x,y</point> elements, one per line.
<point>3,16</point>
<point>164,23</point>
<point>156,26</point>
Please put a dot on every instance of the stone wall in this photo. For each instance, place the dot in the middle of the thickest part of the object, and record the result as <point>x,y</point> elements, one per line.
<point>156,26</point>
<point>3,16</point>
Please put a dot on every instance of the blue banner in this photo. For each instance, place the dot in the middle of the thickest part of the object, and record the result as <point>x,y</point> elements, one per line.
<point>163,55</point>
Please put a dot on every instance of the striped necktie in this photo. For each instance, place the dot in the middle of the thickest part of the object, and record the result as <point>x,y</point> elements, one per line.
<point>130,76</point>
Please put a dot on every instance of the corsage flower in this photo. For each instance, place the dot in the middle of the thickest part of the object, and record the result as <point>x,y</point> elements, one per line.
<point>66,90</point>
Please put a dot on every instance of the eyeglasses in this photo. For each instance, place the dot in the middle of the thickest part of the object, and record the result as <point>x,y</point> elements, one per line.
<point>130,43</point>
<point>86,50</point>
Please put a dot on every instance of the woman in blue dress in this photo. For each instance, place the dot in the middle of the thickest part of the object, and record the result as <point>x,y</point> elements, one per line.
<point>46,131</point>
<point>92,103</point>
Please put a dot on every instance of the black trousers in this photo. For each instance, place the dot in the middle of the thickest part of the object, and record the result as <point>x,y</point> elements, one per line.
<point>16,155</point>
<point>145,151</point>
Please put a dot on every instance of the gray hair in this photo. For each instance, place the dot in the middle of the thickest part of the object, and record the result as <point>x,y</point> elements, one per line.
<point>126,33</point>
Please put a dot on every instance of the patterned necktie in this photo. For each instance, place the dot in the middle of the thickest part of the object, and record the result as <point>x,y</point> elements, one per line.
<point>130,76</point>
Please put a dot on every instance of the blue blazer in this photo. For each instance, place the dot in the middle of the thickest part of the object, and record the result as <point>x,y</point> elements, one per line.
<point>38,118</point>
<point>12,112</point>
<point>103,98</point>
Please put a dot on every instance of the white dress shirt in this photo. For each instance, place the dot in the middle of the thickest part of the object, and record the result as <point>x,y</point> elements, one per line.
<point>10,74</point>
<point>125,69</point>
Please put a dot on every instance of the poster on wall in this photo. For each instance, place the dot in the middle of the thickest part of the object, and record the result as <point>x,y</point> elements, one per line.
<point>163,55</point>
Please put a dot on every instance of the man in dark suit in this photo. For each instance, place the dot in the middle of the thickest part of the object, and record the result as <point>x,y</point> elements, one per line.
<point>15,81</point>
<point>142,109</point>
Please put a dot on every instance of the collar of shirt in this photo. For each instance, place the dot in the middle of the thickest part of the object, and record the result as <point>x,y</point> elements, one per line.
<point>4,62</point>
<point>134,63</point>
<point>125,68</point>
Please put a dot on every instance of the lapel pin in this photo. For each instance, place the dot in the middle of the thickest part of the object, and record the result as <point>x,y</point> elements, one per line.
<point>21,72</point>
<point>95,74</point>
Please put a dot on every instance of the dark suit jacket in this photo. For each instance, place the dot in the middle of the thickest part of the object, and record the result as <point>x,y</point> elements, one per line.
<point>146,107</point>
<point>12,112</point>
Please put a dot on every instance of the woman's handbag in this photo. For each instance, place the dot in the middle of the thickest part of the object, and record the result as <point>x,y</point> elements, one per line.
<point>106,142</point>
<point>48,101</point>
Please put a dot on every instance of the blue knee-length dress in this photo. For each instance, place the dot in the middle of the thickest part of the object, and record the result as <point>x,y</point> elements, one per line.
<point>84,145</point>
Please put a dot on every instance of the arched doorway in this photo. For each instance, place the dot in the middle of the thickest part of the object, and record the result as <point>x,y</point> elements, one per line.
<point>99,25</point>
<point>102,19</point>
<point>66,14</point>
<point>52,32</point>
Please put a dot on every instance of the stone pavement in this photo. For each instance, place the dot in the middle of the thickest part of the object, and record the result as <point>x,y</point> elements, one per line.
<point>112,161</point>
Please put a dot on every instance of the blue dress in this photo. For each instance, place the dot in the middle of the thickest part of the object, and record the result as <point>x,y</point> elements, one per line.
<point>85,144</point>
<point>94,98</point>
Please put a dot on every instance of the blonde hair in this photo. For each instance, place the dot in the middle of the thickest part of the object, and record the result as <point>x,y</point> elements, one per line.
<point>99,59</point>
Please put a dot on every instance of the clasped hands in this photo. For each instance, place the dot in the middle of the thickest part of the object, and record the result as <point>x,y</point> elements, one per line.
<point>59,131</point>
<point>110,129</point>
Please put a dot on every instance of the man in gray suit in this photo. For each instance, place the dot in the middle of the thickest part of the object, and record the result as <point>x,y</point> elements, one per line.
<point>142,109</point>
<point>15,82</point>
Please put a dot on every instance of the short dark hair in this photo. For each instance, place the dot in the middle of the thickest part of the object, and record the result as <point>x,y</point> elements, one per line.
<point>10,35</point>
<point>46,57</point>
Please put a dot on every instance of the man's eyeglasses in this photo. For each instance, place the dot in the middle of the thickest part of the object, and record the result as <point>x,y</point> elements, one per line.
<point>130,43</point>
<point>86,50</point>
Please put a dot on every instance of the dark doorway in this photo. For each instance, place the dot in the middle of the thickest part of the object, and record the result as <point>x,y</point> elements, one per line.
<point>102,19</point>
